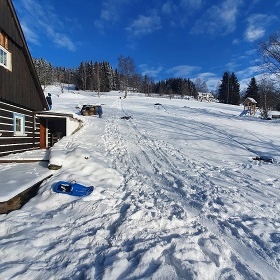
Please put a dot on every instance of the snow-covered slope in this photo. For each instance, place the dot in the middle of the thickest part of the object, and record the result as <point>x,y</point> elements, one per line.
<point>177,196</point>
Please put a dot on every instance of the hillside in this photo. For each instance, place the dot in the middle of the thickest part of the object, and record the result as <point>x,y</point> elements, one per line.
<point>177,195</point>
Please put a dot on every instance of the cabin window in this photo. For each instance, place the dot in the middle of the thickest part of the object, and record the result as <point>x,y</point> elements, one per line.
<point>19,124</point>
<point>5,58</point>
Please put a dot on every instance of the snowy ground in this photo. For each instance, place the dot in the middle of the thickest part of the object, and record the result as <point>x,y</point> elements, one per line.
<point>177,196</point>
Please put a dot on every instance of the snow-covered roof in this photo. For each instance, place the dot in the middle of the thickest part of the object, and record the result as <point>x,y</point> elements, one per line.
<point>250,99</point>
<point>53,114</point>
<point>208,94</point>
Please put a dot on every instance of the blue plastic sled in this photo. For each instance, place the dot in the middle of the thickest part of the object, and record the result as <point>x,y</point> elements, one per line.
<point>72,188</point>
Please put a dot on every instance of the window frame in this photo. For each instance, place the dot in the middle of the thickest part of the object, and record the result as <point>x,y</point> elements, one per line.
<point>6,61</point>
<point>21,118</point>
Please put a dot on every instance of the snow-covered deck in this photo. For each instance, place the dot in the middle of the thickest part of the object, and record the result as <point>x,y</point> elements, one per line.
<point>28,168</point>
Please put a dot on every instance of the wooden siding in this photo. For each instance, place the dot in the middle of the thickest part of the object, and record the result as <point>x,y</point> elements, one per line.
<point>9,143</point>
<point>21,85</point>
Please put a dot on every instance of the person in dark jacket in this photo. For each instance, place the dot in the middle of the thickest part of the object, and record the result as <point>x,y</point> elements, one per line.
<point>99,111</point>
<point>49,100</point>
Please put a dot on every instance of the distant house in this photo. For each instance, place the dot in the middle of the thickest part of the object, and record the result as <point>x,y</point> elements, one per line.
<point>250,105</point>
<point>21,94</point>
<point>205,96</point>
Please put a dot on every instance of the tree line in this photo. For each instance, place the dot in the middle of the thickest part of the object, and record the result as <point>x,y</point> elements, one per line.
<point>265,92</point>
<point>101,77</point>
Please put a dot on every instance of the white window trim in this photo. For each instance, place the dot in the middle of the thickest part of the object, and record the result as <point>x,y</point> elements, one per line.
<point>22,124</point>
<point>8,64</point>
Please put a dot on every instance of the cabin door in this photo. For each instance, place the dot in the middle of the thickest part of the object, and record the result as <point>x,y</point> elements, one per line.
<point>43,133</point>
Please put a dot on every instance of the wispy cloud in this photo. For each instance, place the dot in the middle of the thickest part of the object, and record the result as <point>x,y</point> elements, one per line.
<point>254,33</point>
<point>178,13</point>
<point>248,72</point>
<point>144,25</point>
<point>169,8</point>
<point>111,13</point>
<point>192,4</point>
<point>251,52</point>
<point>43,21</point>
<point>150,71</point>
<point>183,71</point>
<point>218,19</point>
<point>207,75</point>
<point>232,65</point>
<point>30,35</point>
<point>211,79</point>
<point>257,25</point>
<point>245,75</point>
<point>184,7</point>
<point>61,40</point>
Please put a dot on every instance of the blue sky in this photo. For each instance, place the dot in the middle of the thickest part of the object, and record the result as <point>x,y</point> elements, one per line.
<point>183,38</point>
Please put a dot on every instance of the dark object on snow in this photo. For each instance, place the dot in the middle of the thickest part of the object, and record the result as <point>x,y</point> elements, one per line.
<point>264,158</point>
<point>54,167</point>
<point>158,104</point>
<point>89,110</point>
<point>99,111</point>
<point>126,118</point>
<point>72,188</point>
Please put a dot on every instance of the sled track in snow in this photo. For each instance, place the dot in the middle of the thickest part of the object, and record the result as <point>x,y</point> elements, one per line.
<point>187,186</point>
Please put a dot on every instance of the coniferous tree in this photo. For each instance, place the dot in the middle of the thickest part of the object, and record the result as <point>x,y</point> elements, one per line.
<point>160,88</point>
<point>136,82</point>
<point>253,90</point>
<point>224,88</point>
<point>229,89</point>
<point>82,76</point>
<point>176,86</point>
<point>97,82</point>
<point>192,89</point>
<point>60,77</point>
<point>116,80</point>
<point>235,90</point>
<point>44,71</point>
<point>91,76</point>
<point>104,77</point>
<point>110,75</point>
<point>70,74</point>
<point>145,85</point>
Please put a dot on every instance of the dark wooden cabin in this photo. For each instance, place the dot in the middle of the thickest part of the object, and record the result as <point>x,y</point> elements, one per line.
<point>21,94</point>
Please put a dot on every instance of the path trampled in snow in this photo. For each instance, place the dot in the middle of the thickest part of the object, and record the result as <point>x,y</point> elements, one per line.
<point>177,196</point>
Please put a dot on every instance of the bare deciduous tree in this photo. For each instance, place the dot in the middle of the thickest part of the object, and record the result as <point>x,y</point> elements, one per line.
<point>200,85</point>
<point>269,96</point>
<point>270,53</point>
<point>126,69</point>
